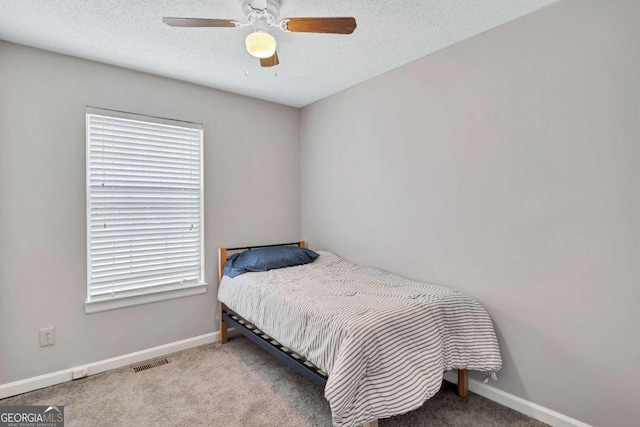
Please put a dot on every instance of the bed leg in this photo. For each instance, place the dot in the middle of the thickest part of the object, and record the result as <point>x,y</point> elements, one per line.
<point>373,423</point>
<point>463,383</point>
<point>223,326</point>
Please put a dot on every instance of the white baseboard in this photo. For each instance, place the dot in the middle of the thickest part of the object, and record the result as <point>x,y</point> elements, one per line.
<point>46,380</point>
<point>516,403</point>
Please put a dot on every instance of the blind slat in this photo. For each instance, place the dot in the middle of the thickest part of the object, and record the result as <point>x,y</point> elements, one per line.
<point>109,160</point>
<point>142,125</point>
<point>98,175</point>
<point>155,282</point>
<point>152,143</point>
<point>123,258</point>
<point>106,279</point>
<point>115,242</point>
<point>181,218</point>
<point>136,214</point>
<point>144,287</point>
<point>137,193</point>
<point>141,245</point>
<point>106,152</point>
<point>144,267</point>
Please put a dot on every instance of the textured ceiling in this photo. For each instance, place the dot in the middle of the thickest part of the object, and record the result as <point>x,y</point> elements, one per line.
<point>130,33</point>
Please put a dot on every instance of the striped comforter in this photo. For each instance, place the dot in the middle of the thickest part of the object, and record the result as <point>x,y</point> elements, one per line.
<point>384,340</point>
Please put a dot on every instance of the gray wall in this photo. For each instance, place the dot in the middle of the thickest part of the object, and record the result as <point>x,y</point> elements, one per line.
<point>507,167</point>
<point>251,163</point>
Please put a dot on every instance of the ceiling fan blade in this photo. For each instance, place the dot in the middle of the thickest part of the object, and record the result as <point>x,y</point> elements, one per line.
<point>321,25</point>
<point>199,22</point>
<point>271,61</point>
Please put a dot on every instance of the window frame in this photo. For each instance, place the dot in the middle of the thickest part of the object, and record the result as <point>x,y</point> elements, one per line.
<point>152,295</point>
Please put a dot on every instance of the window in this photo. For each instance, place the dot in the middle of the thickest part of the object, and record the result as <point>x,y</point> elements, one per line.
<point>144,209</point>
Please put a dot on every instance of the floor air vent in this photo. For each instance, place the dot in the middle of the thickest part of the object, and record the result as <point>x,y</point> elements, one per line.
<point>150,364</point>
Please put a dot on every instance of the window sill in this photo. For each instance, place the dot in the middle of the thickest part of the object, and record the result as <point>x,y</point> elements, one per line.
<point>128,301</point>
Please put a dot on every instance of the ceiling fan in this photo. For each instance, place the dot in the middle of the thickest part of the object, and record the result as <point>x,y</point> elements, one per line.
<point>263,14</point>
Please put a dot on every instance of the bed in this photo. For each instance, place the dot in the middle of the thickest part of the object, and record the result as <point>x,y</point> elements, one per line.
<point>378,343</point>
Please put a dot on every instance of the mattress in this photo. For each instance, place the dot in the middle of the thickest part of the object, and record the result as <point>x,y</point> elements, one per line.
<point>384,340</point>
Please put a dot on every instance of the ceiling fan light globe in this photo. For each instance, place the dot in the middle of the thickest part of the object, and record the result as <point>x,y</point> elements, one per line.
<point>261,44</point>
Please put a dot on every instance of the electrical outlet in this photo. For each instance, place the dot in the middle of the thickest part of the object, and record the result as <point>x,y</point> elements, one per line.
<point>47,336</point>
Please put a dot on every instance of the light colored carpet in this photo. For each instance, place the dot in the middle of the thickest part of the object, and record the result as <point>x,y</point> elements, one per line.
<point>235,385</point>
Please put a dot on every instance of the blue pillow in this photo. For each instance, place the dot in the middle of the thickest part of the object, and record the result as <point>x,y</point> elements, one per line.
<point>264,259</point>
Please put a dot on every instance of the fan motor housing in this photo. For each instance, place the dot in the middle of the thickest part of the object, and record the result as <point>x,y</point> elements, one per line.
<point>273,6</point>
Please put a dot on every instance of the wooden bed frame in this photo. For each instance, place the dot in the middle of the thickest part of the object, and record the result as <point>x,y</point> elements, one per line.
<point>229,318</point>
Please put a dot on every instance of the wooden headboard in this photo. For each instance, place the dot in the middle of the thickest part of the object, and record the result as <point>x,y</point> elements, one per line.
<point>224,253</point>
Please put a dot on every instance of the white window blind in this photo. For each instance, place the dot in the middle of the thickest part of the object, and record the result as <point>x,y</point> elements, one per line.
<point>144,203</point>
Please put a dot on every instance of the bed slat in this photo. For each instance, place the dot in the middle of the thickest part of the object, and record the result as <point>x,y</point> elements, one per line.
<point>296,364</point>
